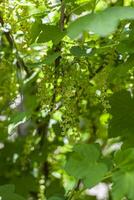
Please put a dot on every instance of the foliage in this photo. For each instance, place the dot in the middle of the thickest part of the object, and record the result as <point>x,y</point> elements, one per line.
<point>66,99</point>
<point>7,193</point>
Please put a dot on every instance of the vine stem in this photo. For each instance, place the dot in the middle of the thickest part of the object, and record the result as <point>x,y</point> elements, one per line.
<point>43,128</point>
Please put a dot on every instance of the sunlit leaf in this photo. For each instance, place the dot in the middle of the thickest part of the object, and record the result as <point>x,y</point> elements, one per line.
<point>84,163</point>
<point>103,23</point>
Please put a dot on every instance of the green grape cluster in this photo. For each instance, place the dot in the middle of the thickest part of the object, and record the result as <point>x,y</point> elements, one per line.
<point>46,87</point>
<point>8,84</point>
<point>74,91</point>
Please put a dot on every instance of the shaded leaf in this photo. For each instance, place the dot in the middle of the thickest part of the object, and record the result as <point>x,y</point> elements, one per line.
<point>122,111</point>
<point>55,188</point>
<point>55,198</point>
<point>25,184</point>
<point>50,32</point>
<point>80,51</point>
<point>7,193</point>
<point>126,46</point>
<point>35,29</point>
<point>120,72</point>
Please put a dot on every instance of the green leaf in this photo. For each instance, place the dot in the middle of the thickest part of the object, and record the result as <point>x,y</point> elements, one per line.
<point>124,159</point>
<point>51,58</point>
<point>80,51</point>
<point>50,32</point>
<point>123,185</point>
<point>35,30</point>
<point>55,189</point>
<point>103,23</point>
<point>126,46</point>
<point>123,179</point>
<point>120,73</point>
<point>7,188</point>
<point>77,51</point>
<point>55,198</point>
<point>17,117</point>
<point>122,111</point>
<point>16,120</point>
<point>20,181</point>
<point>84,163</point>
<point>82,7</point>
<point>7,193</point>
